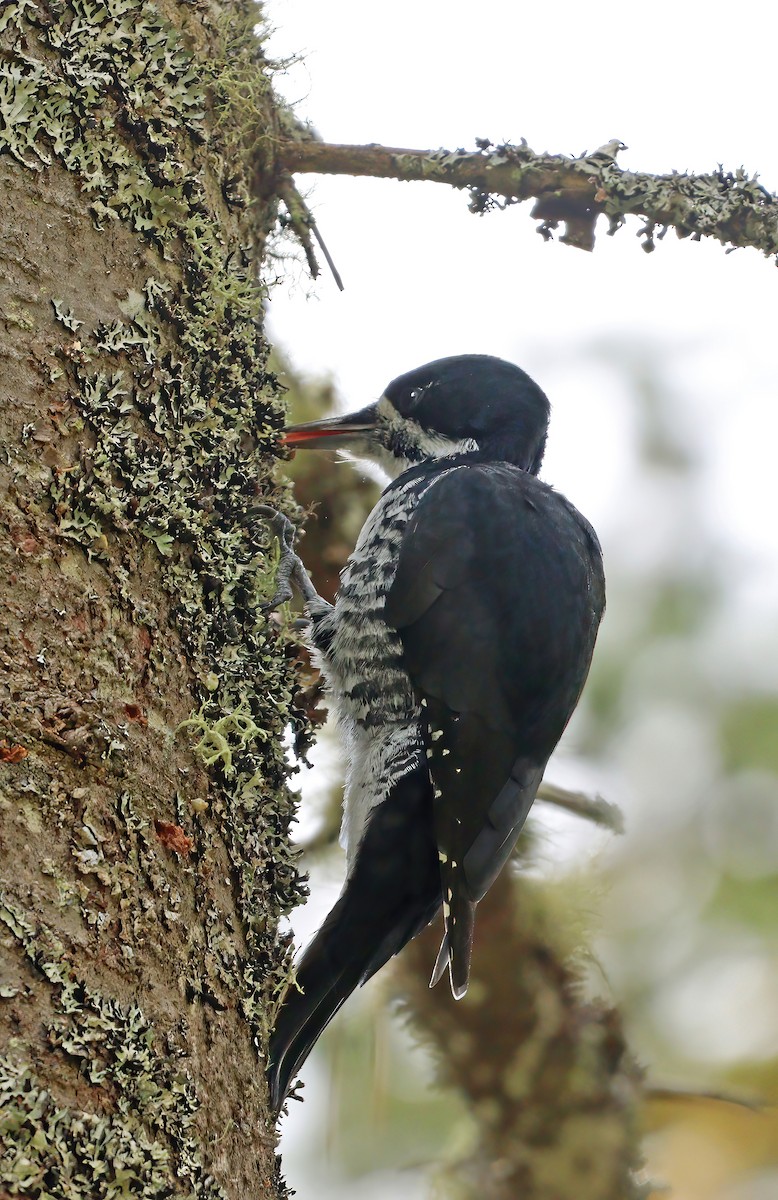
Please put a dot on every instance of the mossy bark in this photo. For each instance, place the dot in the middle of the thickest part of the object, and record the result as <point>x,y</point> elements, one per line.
<point>143,866</point>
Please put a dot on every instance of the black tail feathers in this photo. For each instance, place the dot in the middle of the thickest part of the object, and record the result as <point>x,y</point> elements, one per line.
<point>309,1005</point>
<point>392,893</point>
<point>457,945</point>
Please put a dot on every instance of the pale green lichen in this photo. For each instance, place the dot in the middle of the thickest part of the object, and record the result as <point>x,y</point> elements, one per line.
<point>234,731</point>
<point>105,1158</point>
<point>65,318</point>
<point>126,45</point>
<point>112,1045</point>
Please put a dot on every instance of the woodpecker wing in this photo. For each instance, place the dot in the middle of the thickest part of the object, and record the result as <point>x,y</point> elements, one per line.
<point>497,598</point>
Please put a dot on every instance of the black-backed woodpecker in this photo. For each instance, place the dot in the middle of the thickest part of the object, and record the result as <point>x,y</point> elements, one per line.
<point>454,656</point>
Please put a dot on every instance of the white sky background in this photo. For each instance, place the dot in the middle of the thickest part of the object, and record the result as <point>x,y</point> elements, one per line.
<point>685,88</point>
<point>425,278</point>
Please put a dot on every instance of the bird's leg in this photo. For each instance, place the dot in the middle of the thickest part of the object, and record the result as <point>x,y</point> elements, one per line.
<point>291,568</point>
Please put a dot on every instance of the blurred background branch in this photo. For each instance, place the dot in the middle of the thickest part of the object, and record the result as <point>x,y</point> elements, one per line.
<point>544,1074</point>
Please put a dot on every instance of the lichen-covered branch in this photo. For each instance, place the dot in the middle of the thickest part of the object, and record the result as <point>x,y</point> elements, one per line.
<point>544,1073</point>
<point>730,206</point>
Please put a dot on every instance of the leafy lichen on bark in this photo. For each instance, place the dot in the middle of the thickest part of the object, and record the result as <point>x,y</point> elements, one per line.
<point>40,1140</point>
<point>158,438</point>
<point>115,1045</point>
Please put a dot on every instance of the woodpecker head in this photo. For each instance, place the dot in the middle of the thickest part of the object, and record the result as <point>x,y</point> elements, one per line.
<point>465,404</point>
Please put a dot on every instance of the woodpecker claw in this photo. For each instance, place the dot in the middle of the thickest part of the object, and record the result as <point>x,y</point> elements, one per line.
<point>291,568</point>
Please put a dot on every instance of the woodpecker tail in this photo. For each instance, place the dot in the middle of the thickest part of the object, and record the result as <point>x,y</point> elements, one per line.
<point>457,945</point>
<point>322,986</point>
<point>392,893</point>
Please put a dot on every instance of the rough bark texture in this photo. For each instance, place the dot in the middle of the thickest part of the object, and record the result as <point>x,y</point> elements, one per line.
<point>732,207</point>
<point>143,865</point>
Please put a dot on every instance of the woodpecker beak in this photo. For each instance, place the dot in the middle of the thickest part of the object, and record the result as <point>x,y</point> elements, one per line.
<point>332,433</point>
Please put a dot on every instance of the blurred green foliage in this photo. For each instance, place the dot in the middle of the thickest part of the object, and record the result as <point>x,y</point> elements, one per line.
<point>749,733</point>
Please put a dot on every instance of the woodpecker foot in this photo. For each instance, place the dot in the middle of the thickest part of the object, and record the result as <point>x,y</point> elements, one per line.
<point>290,567</point>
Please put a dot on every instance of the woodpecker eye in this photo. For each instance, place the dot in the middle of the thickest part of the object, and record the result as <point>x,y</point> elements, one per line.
<point>414,396</point>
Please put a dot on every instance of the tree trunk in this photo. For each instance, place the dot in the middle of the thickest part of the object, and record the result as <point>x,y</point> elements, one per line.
<point>144,866</point>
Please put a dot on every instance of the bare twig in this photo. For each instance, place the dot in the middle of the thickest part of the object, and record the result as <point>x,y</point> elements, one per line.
<point>687,1096</point>
<point>301,221</point>
<point>591,808</point>
<point>327,255</point>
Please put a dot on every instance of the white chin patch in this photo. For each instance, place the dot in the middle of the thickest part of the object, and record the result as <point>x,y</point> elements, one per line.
<point>373,462</point>
<point>403,432</point>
